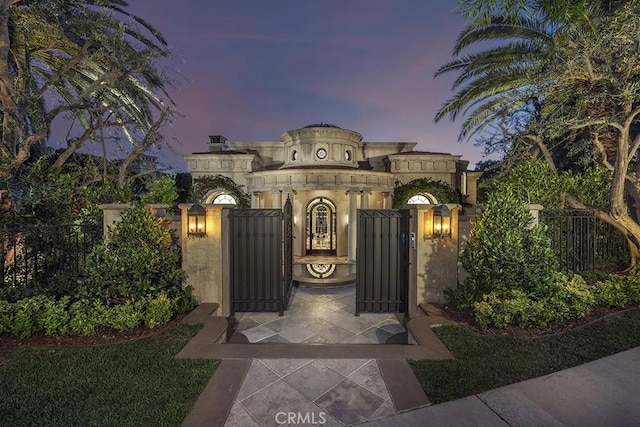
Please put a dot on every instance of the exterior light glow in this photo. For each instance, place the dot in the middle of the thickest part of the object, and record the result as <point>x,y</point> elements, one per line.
<point>196,220</point>
<point>441,221</point>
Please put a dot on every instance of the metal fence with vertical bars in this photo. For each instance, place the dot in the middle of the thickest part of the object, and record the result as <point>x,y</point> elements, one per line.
<point>32,257</point>
<point>582,242</point>
<point>382,261</point>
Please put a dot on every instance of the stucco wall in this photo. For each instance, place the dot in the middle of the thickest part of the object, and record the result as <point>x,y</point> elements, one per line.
<point>437,258</point>
<point>203,257</point>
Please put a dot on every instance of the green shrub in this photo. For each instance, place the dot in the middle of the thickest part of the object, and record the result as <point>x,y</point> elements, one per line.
<point>483,312</point>
<point>594,276</point>
<point>575,295</point>
<point>27,316</point>
<point>633,288</point>
<point>125,316</point>
<point>505,253</point>
<point>610,294</point>
<point>162,191</point>
<point>567,298</point>
<point>137,259</point>
<point>55,317</point>
<point>13,293</point>
<point>534,182</point>
<point>517,308</point>
<point>202,185</point>
<point>183,301</point>
<point>6,316</point>
<point>64,284</point>
<point>438,189</point>
<point>158,311</point>
<point>30,316</point>
<point>535,315</point>
<point>618,291</point>
<point>82,320</point>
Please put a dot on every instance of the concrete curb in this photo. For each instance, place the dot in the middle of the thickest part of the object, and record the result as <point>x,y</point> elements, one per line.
<point>216,400</point>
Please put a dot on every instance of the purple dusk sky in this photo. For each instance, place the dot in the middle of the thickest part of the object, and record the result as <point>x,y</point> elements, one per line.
<point>251,70</point>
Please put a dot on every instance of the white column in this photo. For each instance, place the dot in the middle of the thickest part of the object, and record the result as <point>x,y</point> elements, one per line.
<point>277,199</point>
<point>463,184</point>
<point>255,200</point>
<point>364,202</point>
<point>388,200</point>
<point>353,224</point>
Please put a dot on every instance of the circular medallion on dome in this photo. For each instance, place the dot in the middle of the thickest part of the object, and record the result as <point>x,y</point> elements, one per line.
<point>321,153</point>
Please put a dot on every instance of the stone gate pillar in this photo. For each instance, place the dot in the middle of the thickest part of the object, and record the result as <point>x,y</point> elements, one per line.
<point>203,258</point>
<point>437,258</point>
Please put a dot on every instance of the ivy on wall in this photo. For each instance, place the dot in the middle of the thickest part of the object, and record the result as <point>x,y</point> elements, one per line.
<point>201,186</point>
<point>438,189</point>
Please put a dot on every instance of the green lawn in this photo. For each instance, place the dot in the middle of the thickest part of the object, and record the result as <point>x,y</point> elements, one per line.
<point>137,383</point>
<point>141,383</point>
<point>485,362</point>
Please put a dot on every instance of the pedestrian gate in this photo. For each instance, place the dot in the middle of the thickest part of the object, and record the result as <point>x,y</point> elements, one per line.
<point>261,259</point>
<point>382,267</point>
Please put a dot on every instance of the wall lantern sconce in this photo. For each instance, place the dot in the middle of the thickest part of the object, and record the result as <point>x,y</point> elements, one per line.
<point>441,222</point>
<point>196,221</point>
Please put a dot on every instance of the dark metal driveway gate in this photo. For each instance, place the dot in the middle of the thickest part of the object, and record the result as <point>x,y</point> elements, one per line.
<point>382,268</point>
<point>261,259</point>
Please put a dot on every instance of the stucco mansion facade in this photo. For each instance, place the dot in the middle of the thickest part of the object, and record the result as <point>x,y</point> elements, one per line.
<point>328,173</point>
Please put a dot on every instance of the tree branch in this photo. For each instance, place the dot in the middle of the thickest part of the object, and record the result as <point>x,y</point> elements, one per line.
<point>546,154</point>
<point>150,138</point>
<point>149,172</point>
<point>602,151</point>
<point>60,72</point>
<point>587,63</point>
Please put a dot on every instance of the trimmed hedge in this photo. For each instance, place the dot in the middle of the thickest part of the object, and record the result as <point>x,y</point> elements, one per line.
<point>504,254</point>
<point>570,298</point>
<point>618,291</point>
<point>46,315</point>
<point>138,258</point>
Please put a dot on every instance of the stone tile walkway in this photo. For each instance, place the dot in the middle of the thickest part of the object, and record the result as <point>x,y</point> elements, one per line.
<point>320,316</point>
<point>330,392</point>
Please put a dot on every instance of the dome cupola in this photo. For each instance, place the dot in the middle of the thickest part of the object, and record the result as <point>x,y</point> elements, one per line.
<point>321,144</point>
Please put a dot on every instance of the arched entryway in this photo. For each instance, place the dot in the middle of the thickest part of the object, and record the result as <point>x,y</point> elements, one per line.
<point>321,227</point>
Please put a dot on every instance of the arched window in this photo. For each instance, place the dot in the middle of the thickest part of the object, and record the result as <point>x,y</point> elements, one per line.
<point>224,199</point>
<point>422,199</point>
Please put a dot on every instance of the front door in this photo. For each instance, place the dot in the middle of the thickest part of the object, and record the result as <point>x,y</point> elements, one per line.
<point>321,227</point>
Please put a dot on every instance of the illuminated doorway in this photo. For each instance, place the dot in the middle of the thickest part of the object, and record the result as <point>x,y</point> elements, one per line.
<point>321,227</point>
